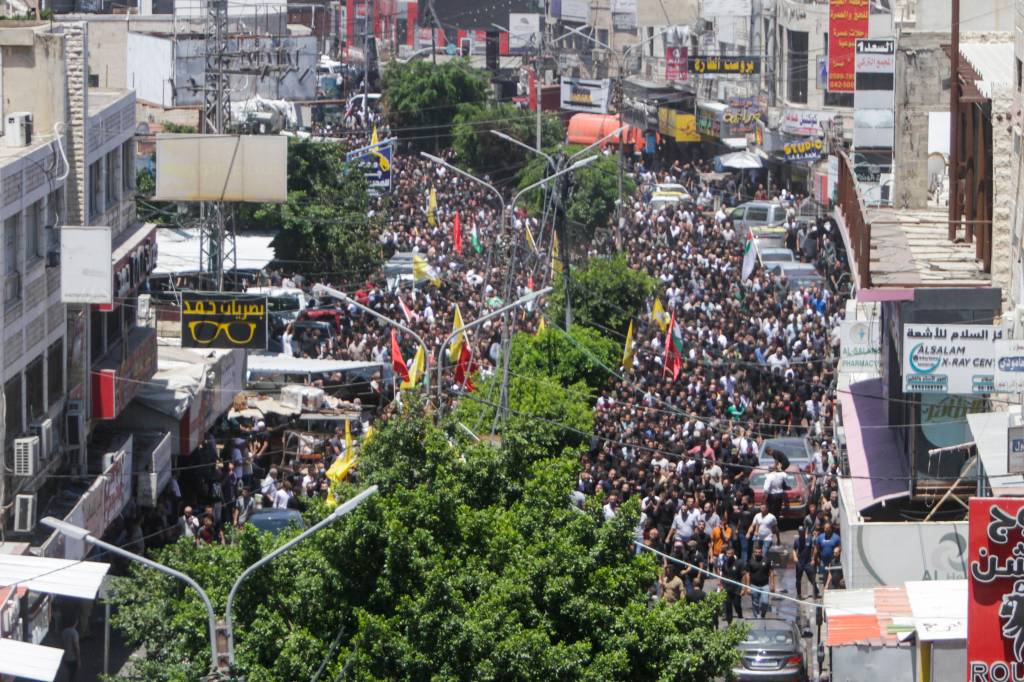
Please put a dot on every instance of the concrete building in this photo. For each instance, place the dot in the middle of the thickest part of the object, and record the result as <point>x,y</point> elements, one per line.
<point>1016,126</point>
<point>67,369</point>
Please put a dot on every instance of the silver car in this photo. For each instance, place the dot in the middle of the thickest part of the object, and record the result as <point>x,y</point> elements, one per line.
<point>772,651</point>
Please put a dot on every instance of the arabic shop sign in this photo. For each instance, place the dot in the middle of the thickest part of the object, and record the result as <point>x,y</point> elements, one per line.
<point>708,122</point>
<point>739,65</point>
<point>805,150</point>
<point>949,358</point>
<point>860,345</point>
<point>743,115</point>
<point>995,590</point>
<point>211,320</point>
<point>1009,366</point>
<point>847,22</point>
<point>804,121</point>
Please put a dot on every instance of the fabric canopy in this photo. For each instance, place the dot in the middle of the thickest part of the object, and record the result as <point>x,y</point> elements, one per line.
<point>586,129</point>
<point>740,160</point>
<point>79,579</point>
<point>282,364</point>
<point>29,661</point>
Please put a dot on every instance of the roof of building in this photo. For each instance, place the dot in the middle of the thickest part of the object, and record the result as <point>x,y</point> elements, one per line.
<point>178,250</point>
<point>101,98</point>
<point>886,616</point>
<point>911,248</point>
<point>993,62</point>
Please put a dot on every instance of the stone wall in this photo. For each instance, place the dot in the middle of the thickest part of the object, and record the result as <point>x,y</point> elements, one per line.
<point>77,70</point>
<point>1004,180</point>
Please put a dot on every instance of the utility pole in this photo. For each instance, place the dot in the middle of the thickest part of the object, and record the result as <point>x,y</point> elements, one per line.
<point>620,99</point>
<point>216,113</point>
<point>368,28</point>
<point>954,121</point>
<point>540,68</point>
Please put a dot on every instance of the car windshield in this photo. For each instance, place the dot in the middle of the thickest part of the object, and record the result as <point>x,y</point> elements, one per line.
<point>770,637</point>
<point>280,304</point>
<point>792,449</point>
<point>276,523</point>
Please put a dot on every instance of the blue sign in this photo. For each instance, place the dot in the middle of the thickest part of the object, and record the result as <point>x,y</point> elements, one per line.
<point>376,162</point>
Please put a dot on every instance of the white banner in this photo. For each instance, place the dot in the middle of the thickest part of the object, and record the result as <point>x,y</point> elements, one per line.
<point>523,31</point>
<point>585,95</point>
<point>949,358</point>
<point>86,272</point>
<point>575,10</point>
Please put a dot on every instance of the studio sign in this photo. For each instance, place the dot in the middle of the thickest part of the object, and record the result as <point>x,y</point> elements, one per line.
<point>223,320</point>
<point>807,149</point>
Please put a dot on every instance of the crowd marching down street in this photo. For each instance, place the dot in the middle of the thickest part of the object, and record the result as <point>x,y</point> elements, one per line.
<point>728,356</point>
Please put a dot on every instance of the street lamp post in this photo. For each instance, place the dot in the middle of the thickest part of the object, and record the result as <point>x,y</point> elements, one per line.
<point>475,323</point>
<point>216,657</point>
<point>345,298</point>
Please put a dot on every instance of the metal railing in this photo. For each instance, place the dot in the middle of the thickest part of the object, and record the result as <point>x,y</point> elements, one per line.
<point>849,203</point>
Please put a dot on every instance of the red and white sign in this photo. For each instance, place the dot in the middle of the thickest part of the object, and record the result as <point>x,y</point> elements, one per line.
<point>995,584</point>
<point>676,63</point>
<point>847,22</point>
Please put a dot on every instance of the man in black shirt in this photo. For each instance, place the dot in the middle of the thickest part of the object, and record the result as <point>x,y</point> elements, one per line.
<point>803,558</point>
<point>732,577</point>
<point>744,516</point>
<point>760,580</point>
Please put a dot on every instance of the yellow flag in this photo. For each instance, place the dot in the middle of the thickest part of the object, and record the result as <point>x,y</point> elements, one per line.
<point>348,440</point>
<point>373,138</point>
<point>432,207</point>
<point>556,260</point>
<point>627,352</point>
<point>456,348</point>
<point>421,270</point>
<point>541,327</point>
<point>419,366</point>
<point>529,239</point>
<point>659,315</point>
<point>368,434</point>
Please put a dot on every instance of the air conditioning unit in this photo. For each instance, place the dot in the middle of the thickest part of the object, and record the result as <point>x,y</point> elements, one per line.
<point>18,129</point>
<point>26,456</point>
<point>44,430</point>
<point>24,513</point>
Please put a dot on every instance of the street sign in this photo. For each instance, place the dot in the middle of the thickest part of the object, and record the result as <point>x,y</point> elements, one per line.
<point>1015,449</point>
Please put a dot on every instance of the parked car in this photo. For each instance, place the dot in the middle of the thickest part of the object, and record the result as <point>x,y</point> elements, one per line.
<point>660,200</point>
<point>284,304</point>
<point>277,520</point>
<point>755,213</point>
<point>797,497</point>
<point>797,450</point>
<point>330,315</point>
<point>799,274</point>
<point>775,254</point>
<point>771,651</point>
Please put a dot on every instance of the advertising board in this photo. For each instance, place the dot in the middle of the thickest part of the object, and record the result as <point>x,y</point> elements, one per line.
<point>579,94</point>
<point>86,272</point>
<point>847,22</point>
<point>949,358</point>
<point>213,320</point>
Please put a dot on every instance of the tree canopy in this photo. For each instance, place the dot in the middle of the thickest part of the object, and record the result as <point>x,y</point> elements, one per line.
<point>421,99</point>
<point>324,224</point>
<point>606,294</point>
<point>487,154</point>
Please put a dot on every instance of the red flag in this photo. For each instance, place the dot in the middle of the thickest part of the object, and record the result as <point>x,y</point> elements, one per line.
<point>409,316</point>
<point>464,368</point>
<point>397,361</point>
<point>457,233</point>
<point>673,360</point>
<point>529,283</point>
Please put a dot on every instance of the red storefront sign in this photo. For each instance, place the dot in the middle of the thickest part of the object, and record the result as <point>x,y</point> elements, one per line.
<point>847,22</point>
<point>113,388</point>
<point>995,589</point>
<point>676,63</point>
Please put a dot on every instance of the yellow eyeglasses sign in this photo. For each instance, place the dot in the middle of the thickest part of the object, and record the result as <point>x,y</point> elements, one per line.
<point>216,320</point>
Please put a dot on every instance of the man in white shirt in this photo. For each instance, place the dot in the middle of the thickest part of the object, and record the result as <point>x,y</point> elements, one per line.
<point>268,487</point>
<point>775,485</point>
<point>764,528</point>
<point>282,496</point>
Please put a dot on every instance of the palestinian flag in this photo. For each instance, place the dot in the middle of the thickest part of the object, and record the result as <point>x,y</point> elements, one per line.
<point>474,239</point>
<point>673,349</point>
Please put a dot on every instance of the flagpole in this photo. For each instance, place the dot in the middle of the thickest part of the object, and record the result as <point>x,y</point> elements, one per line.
<point>320,289</point>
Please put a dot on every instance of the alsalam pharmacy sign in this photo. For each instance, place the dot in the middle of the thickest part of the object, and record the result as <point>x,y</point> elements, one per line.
<point>995,590</point>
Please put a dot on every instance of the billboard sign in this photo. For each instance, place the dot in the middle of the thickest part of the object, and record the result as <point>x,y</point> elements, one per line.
<point>216,320</point>
<point>676,63</point>
<point>725,65</point>
<point>807,149</point>
<point>86,272</point>
<point>847,22</point>
<point>949,358</point>
<point>376,162</point>
<point>523,31</point>
<point>804,121</point>
<point>585,95</point>
<point>575,10</point>
<point>995,589</point>
<point>743,114</point>
<point>221,168</point>
<point>624,15</point>
<point>1009,366</point>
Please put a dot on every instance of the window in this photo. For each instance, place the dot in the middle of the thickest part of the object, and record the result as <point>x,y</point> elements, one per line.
<point>34,399</point>
<point>95,190</point>
<point>757,214</point>
<point>1020,73</point>
<point>35,246</point>
<point>55,208</point>
<point>796,45</point>
<point>95,336</point>
<point>128,167</point>
<point>11,244</point>
<point>12,413</point>
<point>94,80</point>
<point>55,372</point>
<point>112,186</point>
<point>114,324</point>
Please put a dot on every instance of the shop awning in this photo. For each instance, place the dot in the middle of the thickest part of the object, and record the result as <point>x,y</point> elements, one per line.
<point>989,432</point>
<point>878,465</point>
<point>79,579</point>
<point>282,364</point>
<point>939,608</point>
<point>29,661</point>
<point>740,160</point>
<point>178,250</point>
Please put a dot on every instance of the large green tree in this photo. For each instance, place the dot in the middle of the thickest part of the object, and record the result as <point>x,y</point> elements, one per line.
<point>324,226</point>
<point>594,191</point>
<point>605,294</point>
<point>488,154</point>
<point>470,564</point>
<point>421,99</point>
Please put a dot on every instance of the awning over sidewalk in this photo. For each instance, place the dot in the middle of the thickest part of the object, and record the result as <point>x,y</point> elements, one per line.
<point>878,465</point>
<point>282,364</point>
<point>29,661</point>
<point>989,432</point>
<point>79,579</point>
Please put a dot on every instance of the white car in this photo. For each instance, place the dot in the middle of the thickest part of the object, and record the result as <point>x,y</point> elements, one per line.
<point>284,302</point>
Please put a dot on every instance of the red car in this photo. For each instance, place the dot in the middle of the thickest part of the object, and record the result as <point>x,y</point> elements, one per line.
<point>797,497</point>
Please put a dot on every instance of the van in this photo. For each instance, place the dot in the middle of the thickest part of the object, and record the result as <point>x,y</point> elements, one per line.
<point>755,213</point>
<point>774,254</point>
